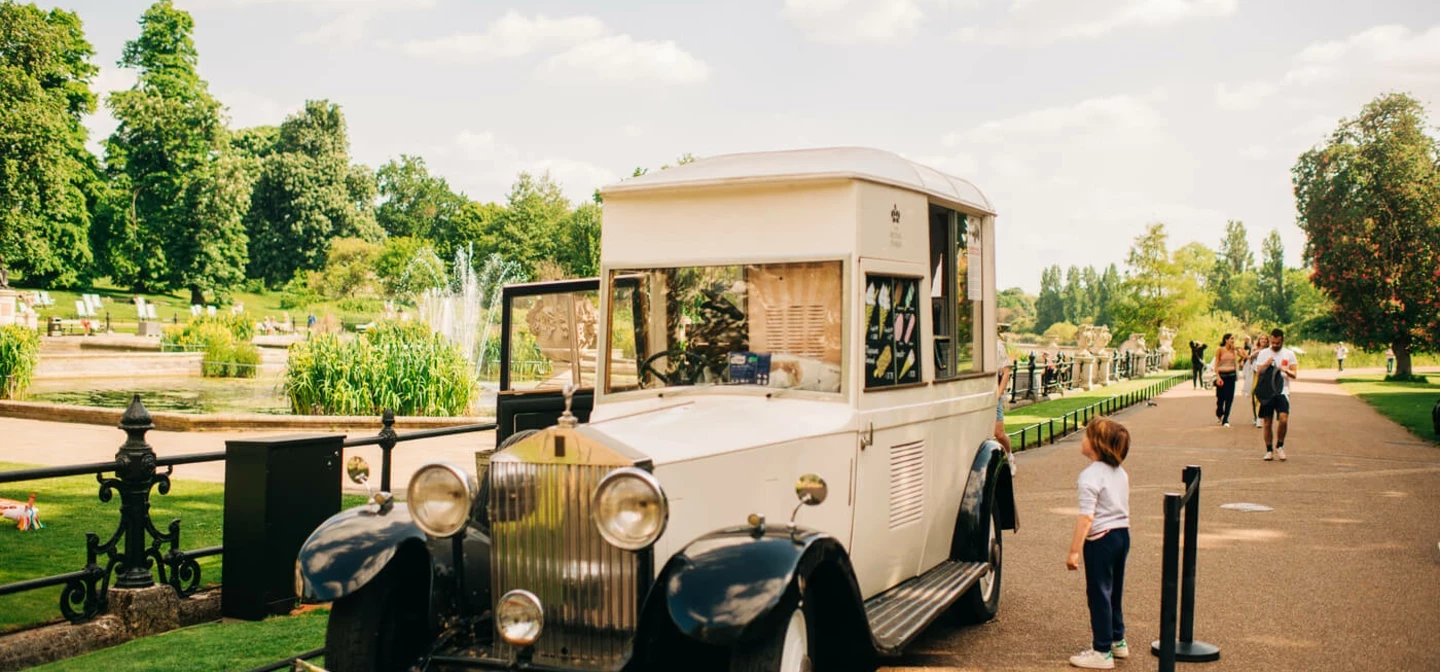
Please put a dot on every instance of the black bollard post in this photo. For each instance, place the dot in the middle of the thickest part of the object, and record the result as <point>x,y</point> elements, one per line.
<point>1169,569</point>
<point>1188,650</point>
<point>135,472</point>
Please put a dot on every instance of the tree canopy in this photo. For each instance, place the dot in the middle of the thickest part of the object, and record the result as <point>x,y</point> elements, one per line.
<point>48,179</point>
<point>1369,203</point>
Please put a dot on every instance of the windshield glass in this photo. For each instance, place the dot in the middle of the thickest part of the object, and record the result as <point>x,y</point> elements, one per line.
<point>772,325</point>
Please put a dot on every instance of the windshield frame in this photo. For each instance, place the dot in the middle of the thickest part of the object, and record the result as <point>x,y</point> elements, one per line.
<point>610,273</point>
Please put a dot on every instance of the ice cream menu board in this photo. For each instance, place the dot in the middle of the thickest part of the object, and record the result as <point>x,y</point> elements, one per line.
<point>892,330</point>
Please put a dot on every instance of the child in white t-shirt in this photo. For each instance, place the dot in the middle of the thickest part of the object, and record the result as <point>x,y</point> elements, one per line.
<point>1102,534</point>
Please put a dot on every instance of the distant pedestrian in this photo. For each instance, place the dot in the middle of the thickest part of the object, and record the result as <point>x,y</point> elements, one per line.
<point>1197,364</point>
<point>1274,391</point>
<point>1247,368</point>
<point>1102,535</point>
<point>1390,362</point>
<point>1261,344</point>
<point>310,323</point>
<point>1227,362</point>
<point>1003,384</point>
<point>1340,352</point>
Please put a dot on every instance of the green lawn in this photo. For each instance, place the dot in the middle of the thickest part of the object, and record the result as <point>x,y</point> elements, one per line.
<point>120,305</point>
<point>211,646</point>
<point>69,507</point>
<point>1036,413</point>
<point>1406,403</point>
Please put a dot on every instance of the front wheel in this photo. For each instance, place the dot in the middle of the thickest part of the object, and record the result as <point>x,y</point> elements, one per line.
<point>379,628</point>
<point>785,650</point>
<point>982,602</point>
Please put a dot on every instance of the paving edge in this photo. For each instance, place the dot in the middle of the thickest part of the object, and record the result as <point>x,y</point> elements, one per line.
<point>219,422</point>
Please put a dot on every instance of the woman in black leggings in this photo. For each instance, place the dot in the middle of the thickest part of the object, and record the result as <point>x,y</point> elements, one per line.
<point>1227,362</point>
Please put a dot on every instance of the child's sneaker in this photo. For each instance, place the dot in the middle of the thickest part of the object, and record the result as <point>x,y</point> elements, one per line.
<point>1280,453</point>
<point>1269,455</point>
<point>1120,649</point>
<point>1093,660</point>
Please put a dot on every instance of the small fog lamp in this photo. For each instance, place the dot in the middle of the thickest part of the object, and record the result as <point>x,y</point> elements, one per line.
<point>519,618</point>
<point>440,496</point>
<point>629,508</point>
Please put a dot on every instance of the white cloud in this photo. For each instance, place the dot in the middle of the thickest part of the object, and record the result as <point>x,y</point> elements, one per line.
<point>854,21</point>
<point>1255,153</point>
<point>511,36</point>
<point>1034,22</point>
<point>1246,96</point>
<point>580,48</point>
<point>484,167</point>
<point>1391,51</point>
<point>343,22</point>
<point>1110,118</point>
<point>623,59</point>
<point>248,108</point>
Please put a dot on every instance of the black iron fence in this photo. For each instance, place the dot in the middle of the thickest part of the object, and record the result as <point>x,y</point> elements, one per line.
<point>1042,433</point>
<point>138,546</point>
<point>1041,374</point>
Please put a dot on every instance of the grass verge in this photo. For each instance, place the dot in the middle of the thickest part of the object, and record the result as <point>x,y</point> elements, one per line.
<point>1408,404</point>
<point>1044,411</point>
<point>211,646</point>
<point>70,507</point>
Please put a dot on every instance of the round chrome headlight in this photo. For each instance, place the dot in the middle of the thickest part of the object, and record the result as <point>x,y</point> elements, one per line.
<point>440,496</point>
<point>519,618</point>
<point>629,508</point>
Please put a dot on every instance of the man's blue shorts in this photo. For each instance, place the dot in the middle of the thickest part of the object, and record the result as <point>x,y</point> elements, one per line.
<point>999,410</point>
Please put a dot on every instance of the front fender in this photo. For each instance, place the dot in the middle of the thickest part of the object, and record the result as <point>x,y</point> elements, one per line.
<point>989,484</point>
<point>350,548</point>
<point>729,585</point>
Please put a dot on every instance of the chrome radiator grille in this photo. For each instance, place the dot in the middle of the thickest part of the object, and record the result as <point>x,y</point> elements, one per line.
<point>543,541</point>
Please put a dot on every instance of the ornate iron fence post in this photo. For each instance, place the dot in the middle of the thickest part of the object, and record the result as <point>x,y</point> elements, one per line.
<point>387,444</point>
<point>136,473</point>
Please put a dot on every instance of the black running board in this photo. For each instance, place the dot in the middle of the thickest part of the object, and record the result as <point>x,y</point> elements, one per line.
<point>897,615</point>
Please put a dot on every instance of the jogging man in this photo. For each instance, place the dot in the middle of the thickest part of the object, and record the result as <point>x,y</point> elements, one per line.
<point>1277,407</point>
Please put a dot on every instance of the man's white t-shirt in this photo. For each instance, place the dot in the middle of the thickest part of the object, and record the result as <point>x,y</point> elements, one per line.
<point>1285,358</point>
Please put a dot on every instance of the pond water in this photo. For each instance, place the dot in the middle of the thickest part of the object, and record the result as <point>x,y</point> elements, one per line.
<point>188,394</point>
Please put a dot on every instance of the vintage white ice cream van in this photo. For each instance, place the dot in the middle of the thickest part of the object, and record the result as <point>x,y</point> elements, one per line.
<point>778,457</point>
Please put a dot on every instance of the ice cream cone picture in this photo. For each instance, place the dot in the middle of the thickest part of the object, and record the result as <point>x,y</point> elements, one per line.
<point>909,362</point>
<point>882,363</point>
<point>869,303</point>
<point>884,304</point>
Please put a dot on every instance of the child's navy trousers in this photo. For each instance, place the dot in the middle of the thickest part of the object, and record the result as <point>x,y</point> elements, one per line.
<point>1105,586</point>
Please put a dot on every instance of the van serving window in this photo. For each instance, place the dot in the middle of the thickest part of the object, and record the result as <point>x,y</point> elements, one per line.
<point>953,283</point>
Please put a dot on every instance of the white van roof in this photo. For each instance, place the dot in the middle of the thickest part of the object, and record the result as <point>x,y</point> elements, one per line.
<point>860,163</point>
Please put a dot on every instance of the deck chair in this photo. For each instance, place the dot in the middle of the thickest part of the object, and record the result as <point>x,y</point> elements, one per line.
<point>194,310</point>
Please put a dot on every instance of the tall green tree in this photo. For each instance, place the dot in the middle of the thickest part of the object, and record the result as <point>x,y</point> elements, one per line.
<point>531,227</point>
<point>1156,291</point>
<point>1274,299</point>
<point>1017,308</point>
<point>1076,302</point>
<point>172,216</point>
<point>1369,203</point>
<point>416,203</point>
<point>1050,305</point>
<point>47,177</point>
<point>1105,294</point>
<point>580,251</point>
<point>307,194</point>
<point>1233,261</point>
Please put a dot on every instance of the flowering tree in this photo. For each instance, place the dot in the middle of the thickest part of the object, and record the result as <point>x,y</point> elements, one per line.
<point>1369,202</point>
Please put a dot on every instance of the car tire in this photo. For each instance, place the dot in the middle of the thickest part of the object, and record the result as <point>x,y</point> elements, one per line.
<point>788,649</point>
<point>379,628</point>
<point>982,602</point>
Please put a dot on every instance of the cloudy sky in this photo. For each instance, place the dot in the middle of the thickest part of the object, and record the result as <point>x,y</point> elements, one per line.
<point>1082,120</point>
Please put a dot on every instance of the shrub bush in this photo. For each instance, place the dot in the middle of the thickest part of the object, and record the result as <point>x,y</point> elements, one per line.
<point>401,366</point>
<point>225,340</point>
<point>19,353</point>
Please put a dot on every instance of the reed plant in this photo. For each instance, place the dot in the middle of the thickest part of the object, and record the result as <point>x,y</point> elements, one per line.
<point>400,366</point>
<point>19,353</point>
<point>225,342</point>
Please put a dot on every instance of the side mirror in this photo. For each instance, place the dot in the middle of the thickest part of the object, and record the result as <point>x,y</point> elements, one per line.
<point>358,470</point>
<point>811,489</point>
